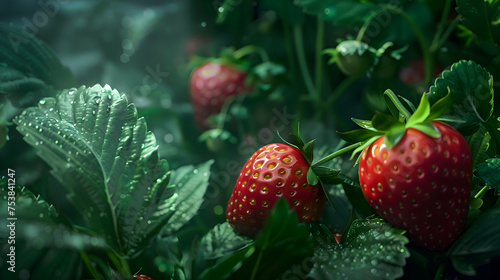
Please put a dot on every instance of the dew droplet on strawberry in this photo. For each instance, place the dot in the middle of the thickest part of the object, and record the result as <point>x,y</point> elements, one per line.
<point>275,170</point>
<point>422,184</point>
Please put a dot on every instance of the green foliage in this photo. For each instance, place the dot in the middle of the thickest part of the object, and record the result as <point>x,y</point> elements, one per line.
<point>281,243</point>
<point>29,69</point>
<point>478,244</point>
<point>488,171</point>
<point>344,12</point>
<point>481,18</point>
<point>191,182</point>
<point>107,161</point>
<point>49,242</point>
<point>471,89</point>
<point>371,250</point>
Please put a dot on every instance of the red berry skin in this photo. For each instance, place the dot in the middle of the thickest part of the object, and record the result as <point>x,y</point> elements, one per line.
<point>422,184</point>
<point>142,277</point>
<point>210,85</point>
<point>275,170</point>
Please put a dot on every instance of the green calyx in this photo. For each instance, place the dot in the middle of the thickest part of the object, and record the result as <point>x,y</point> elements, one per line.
<point>404,115</point>
<point>316,173</point>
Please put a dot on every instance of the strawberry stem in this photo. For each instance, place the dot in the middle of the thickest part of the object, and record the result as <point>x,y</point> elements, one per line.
<point>301,57</point>
<point>246,50</point>
<point>336,154</point>
<point>89,266</point>
<point>481,192</point>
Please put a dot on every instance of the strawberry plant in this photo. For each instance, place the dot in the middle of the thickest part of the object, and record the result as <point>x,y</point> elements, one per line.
<point>166,140</point>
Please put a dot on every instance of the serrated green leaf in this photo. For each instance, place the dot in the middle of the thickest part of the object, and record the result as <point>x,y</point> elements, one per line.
<point>488,171</point>
<point>478,244</point>
<point>191,182</point>
<point>220,241</point>
<point>282,243</point>
<point>107,161</point>
<point>29,69</point>
<point>372,250</point>
<point>471,89</point>
<point>481,17</point>
<point>356,197</point>
<point>479,143</point>
<point>45,243</point>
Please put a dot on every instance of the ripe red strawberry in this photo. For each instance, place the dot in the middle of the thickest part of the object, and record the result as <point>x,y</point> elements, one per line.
<point>275,170</point>
<point>210,85</point>
<point>421,184</point>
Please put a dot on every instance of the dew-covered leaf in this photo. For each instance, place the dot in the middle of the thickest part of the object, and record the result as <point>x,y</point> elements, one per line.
<point>103,155</point>
<point>45,242</point>
<point>220,241</point>
<point>191,182</point>
<point>371,250</point>
<point>471,89</point>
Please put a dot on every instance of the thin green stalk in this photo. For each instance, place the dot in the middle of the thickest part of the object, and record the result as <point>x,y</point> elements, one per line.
<point>88,264</point>
<point>246,50</point>
<point>301,57</point>
<point>435,46</point>
<point>481,192</point>
<point>362,30</point>
<point>336,154</point>
<point>120,263</point>
<point>254,271</point>
<point>320,37</point>
<point>442,22</point>
<point>429,63</point>
<point>340,89</point>
<point>439,271</point>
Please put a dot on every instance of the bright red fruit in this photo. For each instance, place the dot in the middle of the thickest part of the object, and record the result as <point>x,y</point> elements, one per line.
<point>210,85</point>
<point>422,184</point>
<point>275,170</point>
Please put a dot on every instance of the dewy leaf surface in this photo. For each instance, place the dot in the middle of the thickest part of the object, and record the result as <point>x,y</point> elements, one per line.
<point>48,242</point>
<point>471,89</point>
<point>191,182</point>
<point>372,250</point>
<point>107,161</point>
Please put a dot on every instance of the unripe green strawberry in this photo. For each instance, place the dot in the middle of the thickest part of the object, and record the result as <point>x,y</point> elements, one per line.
<point>210,85</point>
<point>275,170</point>
<point>421,184</point>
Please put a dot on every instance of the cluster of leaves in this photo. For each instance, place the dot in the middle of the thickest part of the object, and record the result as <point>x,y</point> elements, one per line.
<point>131,207</point>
